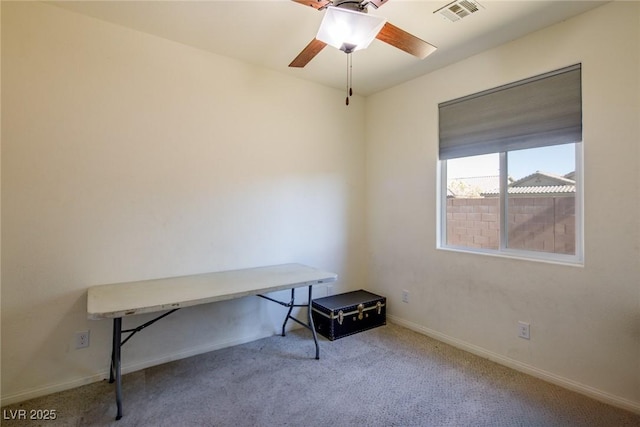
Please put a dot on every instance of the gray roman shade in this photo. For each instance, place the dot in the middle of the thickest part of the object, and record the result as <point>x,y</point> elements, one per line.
<point>536,112</point>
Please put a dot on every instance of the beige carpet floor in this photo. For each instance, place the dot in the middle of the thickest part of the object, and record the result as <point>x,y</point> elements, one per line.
<point>388,376</point>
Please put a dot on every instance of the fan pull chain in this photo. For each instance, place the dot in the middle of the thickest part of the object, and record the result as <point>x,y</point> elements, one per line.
<point>349,77</point>
<point>350,74</point>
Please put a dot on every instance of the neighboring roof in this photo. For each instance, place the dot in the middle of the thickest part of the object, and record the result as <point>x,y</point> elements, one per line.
<point>542,179</point>
<point>533,190</point>
<point>473,186</point>
<point>538,183</point>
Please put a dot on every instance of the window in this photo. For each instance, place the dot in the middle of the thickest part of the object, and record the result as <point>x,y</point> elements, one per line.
<point>511,165</point>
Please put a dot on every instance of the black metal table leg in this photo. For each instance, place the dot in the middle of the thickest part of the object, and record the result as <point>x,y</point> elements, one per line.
<point>116,352</point>
<point>116,363</point>
<point>311,326</point>
<point>291,304</point>
<point>112,366</point>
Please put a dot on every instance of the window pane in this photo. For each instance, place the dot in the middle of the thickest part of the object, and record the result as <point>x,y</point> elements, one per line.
<point>473,202</point>
<point>541,199</point>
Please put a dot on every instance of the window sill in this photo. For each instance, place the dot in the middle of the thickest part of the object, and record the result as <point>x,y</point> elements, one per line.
<point>567,260</point>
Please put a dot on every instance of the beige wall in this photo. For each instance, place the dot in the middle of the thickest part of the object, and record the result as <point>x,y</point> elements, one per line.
<point>126,157</point>
<point>585,321</point>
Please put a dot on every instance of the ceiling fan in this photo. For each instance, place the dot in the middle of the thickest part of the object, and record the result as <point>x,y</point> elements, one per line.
<point>349,12</point>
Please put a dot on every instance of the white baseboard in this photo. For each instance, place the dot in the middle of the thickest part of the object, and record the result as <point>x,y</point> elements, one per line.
<point>550,377</point>
<point>126,368</point>
<point>49,389</point>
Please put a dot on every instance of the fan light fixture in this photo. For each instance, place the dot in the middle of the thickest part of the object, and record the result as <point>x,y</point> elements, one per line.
<point>347,27</point>
<point>349,30</point>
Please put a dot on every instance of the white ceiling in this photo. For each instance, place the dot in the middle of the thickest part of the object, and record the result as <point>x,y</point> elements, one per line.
<point>270,33</point>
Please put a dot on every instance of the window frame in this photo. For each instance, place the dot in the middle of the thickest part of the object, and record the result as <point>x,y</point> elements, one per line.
<point>576,259</point>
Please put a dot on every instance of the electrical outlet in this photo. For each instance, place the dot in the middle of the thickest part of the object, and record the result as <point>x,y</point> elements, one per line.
<point>82,339</point>
<point>329,290</point>
<point>523,330</point>
<point>405,296</point>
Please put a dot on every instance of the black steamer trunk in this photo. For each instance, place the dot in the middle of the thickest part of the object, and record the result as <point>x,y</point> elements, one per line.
<point>345,314</point>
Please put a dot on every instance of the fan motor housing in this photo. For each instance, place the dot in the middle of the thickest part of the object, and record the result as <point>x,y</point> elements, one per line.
<point>350,4</point>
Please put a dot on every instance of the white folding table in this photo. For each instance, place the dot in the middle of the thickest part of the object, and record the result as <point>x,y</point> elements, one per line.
<point>118,300</point>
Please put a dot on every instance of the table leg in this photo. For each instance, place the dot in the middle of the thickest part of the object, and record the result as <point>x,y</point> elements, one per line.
<point>116,368</point>
<point>311,326</point>
<point>308,306</point>
<point>291,305</point>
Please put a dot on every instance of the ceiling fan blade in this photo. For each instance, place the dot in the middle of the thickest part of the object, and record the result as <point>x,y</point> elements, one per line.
<point>316,4</point>
<point>308,53</point>
<point>402,40</point>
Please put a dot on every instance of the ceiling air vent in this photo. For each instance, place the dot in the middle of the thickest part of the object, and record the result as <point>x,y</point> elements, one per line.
<point>457,10</point>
